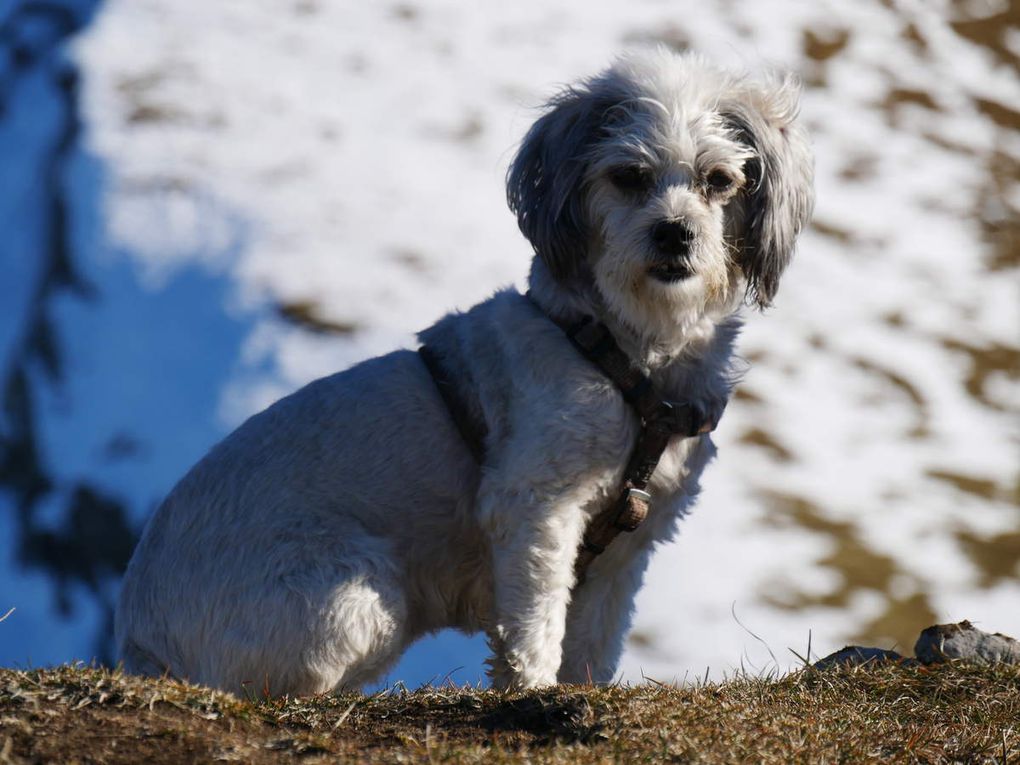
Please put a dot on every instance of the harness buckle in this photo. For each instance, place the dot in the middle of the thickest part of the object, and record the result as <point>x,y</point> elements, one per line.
<point>681,418</point>
<point>639,493</point>
<point>634,509</point>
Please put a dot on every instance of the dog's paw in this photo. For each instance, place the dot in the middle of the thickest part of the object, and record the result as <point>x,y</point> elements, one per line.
<point>510,673</point>
<point>499,672</point>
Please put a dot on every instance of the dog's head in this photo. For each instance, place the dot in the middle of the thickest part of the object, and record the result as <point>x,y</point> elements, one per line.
<point>667,184</point>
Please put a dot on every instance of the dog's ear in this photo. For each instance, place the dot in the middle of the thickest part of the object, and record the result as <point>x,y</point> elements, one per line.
<point>780,190</point>
<point>544,182</point>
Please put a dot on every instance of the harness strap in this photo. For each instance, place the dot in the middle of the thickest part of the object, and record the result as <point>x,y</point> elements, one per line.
<point>661,419</point>
<point>471,430</point>
<point>597,344</point>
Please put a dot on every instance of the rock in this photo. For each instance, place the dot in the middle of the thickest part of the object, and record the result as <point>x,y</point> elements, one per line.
<point>964,641</point>
<point>856,655</point>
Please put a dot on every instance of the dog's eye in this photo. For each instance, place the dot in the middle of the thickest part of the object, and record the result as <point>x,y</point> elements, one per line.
<point>719,180</point>
<point>631,178</point>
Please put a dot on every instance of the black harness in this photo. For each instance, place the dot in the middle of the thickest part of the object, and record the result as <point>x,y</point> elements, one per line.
<point>661,419</point>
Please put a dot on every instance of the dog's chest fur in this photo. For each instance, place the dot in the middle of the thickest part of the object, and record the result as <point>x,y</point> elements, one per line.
<point>557,423</point>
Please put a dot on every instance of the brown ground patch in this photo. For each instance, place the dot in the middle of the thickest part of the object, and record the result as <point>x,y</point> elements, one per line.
<point>999,113</point>
<point>308,316</point>
<point>760,438</point>
<point>860,167</point>
<point>997,213</point>
<point>902,384</point>
<point>819,46</point>
<point>888,628</point>
<point>833,231</point>
<point>900,96</point>
<point>990,31</point>
<point>860,569</point>
<point>912,35</point>
<point>985,488</point>
<point>996,557</point>
<point>747,395</point>
<point>823,44</point>
<point>986,361</point>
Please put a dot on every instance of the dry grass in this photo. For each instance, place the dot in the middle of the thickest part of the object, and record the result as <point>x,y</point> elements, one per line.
<point>888,713</point>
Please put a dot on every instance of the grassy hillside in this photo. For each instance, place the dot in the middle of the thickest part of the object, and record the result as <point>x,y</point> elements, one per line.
<point>887,714</point>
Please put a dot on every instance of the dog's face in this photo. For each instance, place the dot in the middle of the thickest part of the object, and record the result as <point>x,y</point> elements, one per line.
<point>671,187</point>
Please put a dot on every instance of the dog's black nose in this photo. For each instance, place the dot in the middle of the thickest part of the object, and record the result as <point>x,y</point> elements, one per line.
<point>672,237</point>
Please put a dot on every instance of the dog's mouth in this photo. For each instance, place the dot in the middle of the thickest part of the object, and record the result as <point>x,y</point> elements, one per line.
<point>670,272</point>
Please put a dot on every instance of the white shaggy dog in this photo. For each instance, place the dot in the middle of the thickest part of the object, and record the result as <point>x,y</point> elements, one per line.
<point>329,532</point>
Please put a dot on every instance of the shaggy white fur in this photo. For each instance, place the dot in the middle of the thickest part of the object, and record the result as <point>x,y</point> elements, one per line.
<point>308,549</point>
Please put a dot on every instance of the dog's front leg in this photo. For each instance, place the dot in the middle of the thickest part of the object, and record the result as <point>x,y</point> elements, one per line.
<point>598,619</point>
<point>534,544</point>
